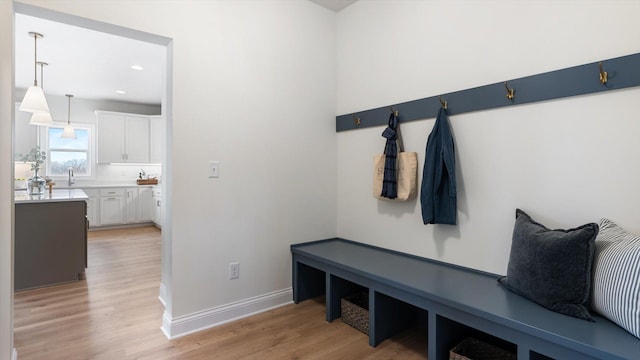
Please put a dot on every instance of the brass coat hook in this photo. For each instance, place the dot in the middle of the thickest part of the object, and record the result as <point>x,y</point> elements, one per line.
<point>510,92</point>
<point>444,104</point>
<point>395,112</point>
<point>356,120</point>
<point>603,75</point>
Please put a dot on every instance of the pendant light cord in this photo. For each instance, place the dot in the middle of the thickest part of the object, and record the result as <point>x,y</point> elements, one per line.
<point>69,110</point>
<point>35,63</point>
<point>41,74</point>
<point>35,53</point>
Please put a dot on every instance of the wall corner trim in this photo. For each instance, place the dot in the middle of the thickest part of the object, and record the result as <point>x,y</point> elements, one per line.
<point>174,328</point>
<point>162,295</point>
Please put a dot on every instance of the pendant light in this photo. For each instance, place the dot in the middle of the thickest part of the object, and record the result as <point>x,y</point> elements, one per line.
<point>41,118</point>
<point>69,132</point>
<point>34,100</point>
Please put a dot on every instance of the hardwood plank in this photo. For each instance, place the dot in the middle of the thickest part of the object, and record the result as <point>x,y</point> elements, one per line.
<point>115,314</point>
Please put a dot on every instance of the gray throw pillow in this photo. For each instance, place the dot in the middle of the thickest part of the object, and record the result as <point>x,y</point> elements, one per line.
<point>552,267</point>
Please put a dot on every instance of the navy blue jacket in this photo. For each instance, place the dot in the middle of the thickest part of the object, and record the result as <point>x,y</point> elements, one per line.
<point>438,190</point>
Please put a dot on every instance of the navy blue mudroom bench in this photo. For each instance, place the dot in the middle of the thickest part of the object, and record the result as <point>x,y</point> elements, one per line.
<point>451,302</point>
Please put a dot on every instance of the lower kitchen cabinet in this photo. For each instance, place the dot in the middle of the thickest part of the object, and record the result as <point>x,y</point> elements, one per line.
<point>131,206</point>
<point>157,206</point>
<point>50,243</point>
<point>93,206</point>
<point>112,206</point>
<point>115,206</point>
<point>142,202</point>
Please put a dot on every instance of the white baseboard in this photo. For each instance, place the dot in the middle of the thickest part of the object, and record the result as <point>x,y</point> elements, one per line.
<point>166,325</point>
<point>14,356</point>
<point>189,324</point>
<point>163,295</point>
<point>119,226</point>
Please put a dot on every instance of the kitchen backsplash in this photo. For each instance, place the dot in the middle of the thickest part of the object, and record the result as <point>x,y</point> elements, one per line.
<point>126,172</point>
<point>105,174</point>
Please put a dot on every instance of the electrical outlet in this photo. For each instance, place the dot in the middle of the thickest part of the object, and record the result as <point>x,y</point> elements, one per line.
<point>234,270</point>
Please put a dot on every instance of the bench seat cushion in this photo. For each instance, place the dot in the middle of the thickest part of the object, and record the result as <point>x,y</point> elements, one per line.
<point>552,267</point>
<point>616,276</point>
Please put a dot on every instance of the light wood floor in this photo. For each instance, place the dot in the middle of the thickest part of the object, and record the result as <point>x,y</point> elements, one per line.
<point>115,314</point>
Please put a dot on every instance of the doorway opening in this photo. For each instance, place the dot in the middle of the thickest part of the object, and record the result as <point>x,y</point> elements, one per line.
<point>71,30</point>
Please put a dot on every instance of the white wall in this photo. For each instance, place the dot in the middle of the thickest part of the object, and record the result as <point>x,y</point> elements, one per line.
<point>6,180</point>
<point>566,162</point>
<point>253,87</point>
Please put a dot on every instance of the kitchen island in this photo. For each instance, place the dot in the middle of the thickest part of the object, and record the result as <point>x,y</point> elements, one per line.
<point>50,238</point>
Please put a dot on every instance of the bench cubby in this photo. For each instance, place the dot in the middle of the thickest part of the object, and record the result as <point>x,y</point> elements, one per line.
<point>339,288</point>
<point>535,356</point>
<point>450,333</point>
<point>314,284</point>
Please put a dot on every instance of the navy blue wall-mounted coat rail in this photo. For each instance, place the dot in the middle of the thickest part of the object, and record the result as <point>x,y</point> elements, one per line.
<point>612,74</point>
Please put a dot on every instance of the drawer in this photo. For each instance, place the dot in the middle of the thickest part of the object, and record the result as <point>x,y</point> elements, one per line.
<point>112,192</point>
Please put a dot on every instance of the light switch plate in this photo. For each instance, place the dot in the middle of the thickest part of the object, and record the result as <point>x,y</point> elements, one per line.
<point>214,169</point>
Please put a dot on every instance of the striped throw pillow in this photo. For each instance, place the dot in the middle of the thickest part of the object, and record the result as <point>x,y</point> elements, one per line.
<point>616,276</point>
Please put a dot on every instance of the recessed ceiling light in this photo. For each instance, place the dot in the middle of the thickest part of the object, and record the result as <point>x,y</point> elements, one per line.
<point>121,92</point>
<point>137,67</point>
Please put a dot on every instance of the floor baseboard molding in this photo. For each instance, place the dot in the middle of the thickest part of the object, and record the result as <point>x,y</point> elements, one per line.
<point>189,324</point>
<point>120,226</point>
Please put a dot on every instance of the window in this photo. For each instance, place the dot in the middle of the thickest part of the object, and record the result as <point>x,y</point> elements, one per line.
<point>69,153</point>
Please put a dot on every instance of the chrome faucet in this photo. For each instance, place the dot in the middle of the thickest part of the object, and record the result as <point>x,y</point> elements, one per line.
<point>71,179</point>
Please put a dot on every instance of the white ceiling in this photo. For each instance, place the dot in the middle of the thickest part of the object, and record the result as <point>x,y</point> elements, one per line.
<point>88,64</point>
<point>94,65</point>
<point>335,5</point>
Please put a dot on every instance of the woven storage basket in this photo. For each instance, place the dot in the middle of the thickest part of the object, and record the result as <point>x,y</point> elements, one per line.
<point>355,311</point>
<point>474,349</point>
<point>147,181</point>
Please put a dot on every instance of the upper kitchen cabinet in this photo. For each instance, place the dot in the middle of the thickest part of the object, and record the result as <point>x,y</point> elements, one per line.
<point>157,139</point>
<point>136,139</point>
<point>123,138</point>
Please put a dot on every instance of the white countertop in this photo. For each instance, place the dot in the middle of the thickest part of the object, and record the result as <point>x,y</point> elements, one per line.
<point>57,195</point>
<point>64,185</point>
<point>97,186</point>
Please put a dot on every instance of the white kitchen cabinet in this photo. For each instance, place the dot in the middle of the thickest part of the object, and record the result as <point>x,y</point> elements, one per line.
<point>157,139</point>
<point>93,206</point>
<point>157,206</point>
<point>131,206</point>
<point>136,139</point>
<point>115,206</point>
<point>145,204</point>
<point>122,138</point>
<point>110,137</point>
<point>138,205</point>
<point>111,210</point>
